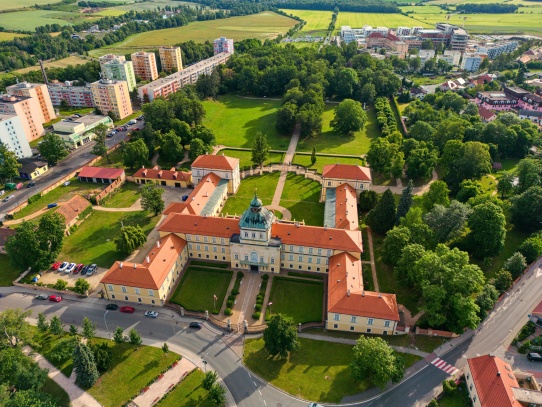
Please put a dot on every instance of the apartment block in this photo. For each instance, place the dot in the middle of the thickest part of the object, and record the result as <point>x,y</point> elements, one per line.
<point>112,96</point>
<point>223,44</point>
<point>12,136</point>
<point>451,57</point>
<point>170,58</point>
<point>494,50</point>
<point>144,64</point>
<point>471,62</point>
<point>28,110</point>
<point>39,92</point>
<point>75,96</point>
<point>110,58</point>
<point>120,70</point>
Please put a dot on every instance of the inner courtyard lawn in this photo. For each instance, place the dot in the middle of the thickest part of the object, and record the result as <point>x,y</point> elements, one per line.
<point>124,197</point>
<point>93,240</point>
<point>8,273</point>
<point>244,118</point>
<point>197,287</point>
<point>188,393</point>
<point>301,197</point>
<point>264,185</point>
<point>331,142</point>
<point>321,160</point>
<point>245,158</point>
<point>301,300</point>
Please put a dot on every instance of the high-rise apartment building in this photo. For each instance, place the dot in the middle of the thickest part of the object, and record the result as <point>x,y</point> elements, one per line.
<point>112,96</point>
<point>12,135</point>
<point>118,69</point>
<point>77,96</point>
<point>110,58</point>
<point>28,110</point>
<point>223,44</point>
<point>170,58</point>
<point>145,65</point>
<point>40,93</point>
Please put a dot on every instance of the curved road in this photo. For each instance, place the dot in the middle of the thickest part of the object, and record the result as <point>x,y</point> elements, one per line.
<point>249,391</point>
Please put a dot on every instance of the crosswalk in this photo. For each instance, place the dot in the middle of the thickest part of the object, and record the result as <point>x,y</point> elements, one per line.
<point>445,367</point>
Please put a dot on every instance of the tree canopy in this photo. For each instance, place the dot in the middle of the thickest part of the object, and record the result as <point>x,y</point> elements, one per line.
<point>280,336</point>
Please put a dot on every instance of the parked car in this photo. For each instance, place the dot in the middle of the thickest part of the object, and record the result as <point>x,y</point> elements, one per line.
<point>139,118</point>
<point>534,357</point>
<point>109,135</point>
<point>84,270</point>
<point>8,198</point>
<point>70,268</point>
<point>31,184</point>
<point>55,298</point>
<point>133,121</point>
<point>63,266</point>
<point>78,268</point>
<point>128,310</point>
<point>41,297</point>
<point>52,205</point>
<point>184,198</point>
<point>196,325</point>
<point>67,183</point>
<point>36,278</point>
<point>119,129</point>
<point>315,405</point>
<point>55,266</point>
<point>91,270</point>
<point>112,307</point>
<point>151,314</point>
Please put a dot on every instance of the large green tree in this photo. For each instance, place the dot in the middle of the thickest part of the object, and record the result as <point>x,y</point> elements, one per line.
<point>349,117</point>
<point>437,195</point>
<point>53,148</point>
<point>9,167</point>
<point>515,264</point>
<point>171,149</point>
<point>396,240</point>
<point>99,148</point>
<point>461,161</point>
<point>89,329</point>
<point>151,198</point>
<point>135,154</point>
<point>447,223</point>
<point>529,173</point>
<point>280,336</point>
<point>260,149</point>
<point>526,209</point>
<point>86,372</point>
<point>20,371</point>
<point>488,230</point>
<point>377,362</point>
<point>382,217</point>
<point>14,330</point>
<point>130,238</point>
<point>286,117</point>
<point>405,202</point>
<point>197,148</point>
<point>381,155</point>
<point>421,161</point>
<point>310,120</point>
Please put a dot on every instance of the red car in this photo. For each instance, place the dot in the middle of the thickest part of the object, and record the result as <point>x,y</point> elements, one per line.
<point>55,266</point>
<point>55,298</point>
<point>78,268</point>
<point>129,310</point>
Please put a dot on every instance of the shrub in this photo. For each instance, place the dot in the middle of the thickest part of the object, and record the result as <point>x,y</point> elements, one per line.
<point>231,298</point>
<point>265,277</point>
<point>524,347</point>
<point>229,303</point>
<point>258,307</point>
<point>259,297</point>
<point>449,387</point>
<point>234,291</point>
<point>528,329</point>
<point>34,198</point>
<point>228,311</point>
<point>60,284</point>
<point>256,315</point>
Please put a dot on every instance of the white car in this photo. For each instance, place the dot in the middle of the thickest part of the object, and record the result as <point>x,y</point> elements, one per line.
<point>151,314</point>
<point>70,268</point>
<point>67,183</point>
<point>63,266</point>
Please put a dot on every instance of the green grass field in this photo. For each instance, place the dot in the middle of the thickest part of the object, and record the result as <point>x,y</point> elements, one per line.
<point>264,185</point>
<point>93,240</point>
<point>58,393</point>
<point>317,21</point>
<point>9,36</point>
<point>301,196</point>
<point>321,160</point>
<point>358,20</point>
<point>140,6</point>
<point>61,63</point>
<point>245,157</point>
<point>8,273</point>
<point>30,19</point>
<point>124,197</point>
<point>14,4</point>
<point>261,26</point>
<point>302,300</point>
<point>329,142</point>
<point>188,393</point>
<point>197,287</point>
<point>244,118</point>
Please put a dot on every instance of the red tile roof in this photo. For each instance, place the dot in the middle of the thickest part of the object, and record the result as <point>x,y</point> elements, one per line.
<point>157,173</point>
<point>376,35</point>
<point>494,389</point>
<point>314,236</point>
<point>347,172</point>
<point>393,37</point>
<point>101,172</point>
<point>346,208</point>
<point>347,296</point>
<point>154,269</point>
<point>4,234</point>
<point>216,162</point>
<point>200,225</point>
<point>71,209</point>
<point>198,197</point>
<point>485,113</point>
<point>537,310</point>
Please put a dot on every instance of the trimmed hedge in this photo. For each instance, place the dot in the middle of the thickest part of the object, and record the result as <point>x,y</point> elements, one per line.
<point>313,276</point>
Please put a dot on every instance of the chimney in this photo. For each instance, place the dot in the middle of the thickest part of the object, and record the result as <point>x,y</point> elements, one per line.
<point>498,373</point>
<point>160,174</point>
<point>120,265</point>
<point>348,292</point>
<point>148,260</point>
<point>325,227</point>
<point>172,169</point>
<point>379,295</point>
<point>158,243</point>
<point>175,175</point>
<point>363,293</point>
<point>135,265</point>
<point>145,173</point>
<point>156,168</point>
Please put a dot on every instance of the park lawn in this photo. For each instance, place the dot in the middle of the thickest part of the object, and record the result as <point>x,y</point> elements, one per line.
<point>188,393</point>
<point>317,20</point>
<point>304,159</point>
<point>302,300</point>
<point>245,118</point>
<point>245,157</point>
<point>358,20</point>
<point>58,393</point>
<point>394,340</point>
<point>301,196</point>
<point>198,286</point>
<point>59,194</point>
<point>124,197</point>
<point>68,111</point>
<point>260,26</point>
<point>93,240</point>
<point>46,342</point>
<point>264,185</point>
<point>8,273</point>
<point>332,143</point>
<point>60,63</point>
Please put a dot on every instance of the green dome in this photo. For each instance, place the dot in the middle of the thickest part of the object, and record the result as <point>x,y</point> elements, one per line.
<point>256,217</point>
<point>256,203</point>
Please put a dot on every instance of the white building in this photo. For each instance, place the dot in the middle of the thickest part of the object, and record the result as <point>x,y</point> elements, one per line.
<point>494,50</point>
<point>452,57</point>
<point>12,135</point>
<point>471,62</point>
<point>368,30</point>
<point>349,35</point>
<point>403,31</point>
<point>426,54</point>
<point>223,44</point>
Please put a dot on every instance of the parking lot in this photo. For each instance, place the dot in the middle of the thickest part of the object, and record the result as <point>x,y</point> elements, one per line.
<point>51,276</point>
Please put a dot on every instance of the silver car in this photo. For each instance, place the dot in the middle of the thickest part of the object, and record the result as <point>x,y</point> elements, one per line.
<point>70,268</point>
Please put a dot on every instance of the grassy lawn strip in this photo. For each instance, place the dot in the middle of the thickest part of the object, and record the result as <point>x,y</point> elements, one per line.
<point>393,340</point>
<point>210,264</point>
<point>197,287</point>
<point>188,393</point>
<point>93,240</point>
<point>321,160</point>
<point>306,275</point>
<point>301,300</point>
<point>58,393</point>
<point>264,185</point>
<point>301,197</point>
<point>8,273</point>
<point>245,157</point>
<point>124,197</point>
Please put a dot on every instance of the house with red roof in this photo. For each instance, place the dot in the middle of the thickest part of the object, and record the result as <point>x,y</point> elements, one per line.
<point>166,178</point>
<point>223,166</point>
<point>101,175</point>
<point>356,176</point>
<point>71,211</point>
<point>486,115</point>
<point>389,41</point>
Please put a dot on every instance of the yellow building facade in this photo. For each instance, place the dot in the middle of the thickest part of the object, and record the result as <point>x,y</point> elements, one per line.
<point>170,59</point>
<point>112,96</point>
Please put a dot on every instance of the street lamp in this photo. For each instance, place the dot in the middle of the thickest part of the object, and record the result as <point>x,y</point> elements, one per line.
<point>204,360</point>
<point>106,324</point>
<point>270,303</point>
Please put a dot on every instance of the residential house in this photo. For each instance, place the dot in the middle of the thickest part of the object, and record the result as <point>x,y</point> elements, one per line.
<point>533,116</point>
<point>5,233</point>
<point>101,175</point>
<point>72,210</point>
<point>167,178</point>
<point>486,115</point>
<point>32,168</point>
<point>356,176</point>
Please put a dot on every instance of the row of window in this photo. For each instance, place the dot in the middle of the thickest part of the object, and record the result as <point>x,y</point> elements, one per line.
<point>205,239</point>
<point>300,258</point>
<point>353,328</point>
<point>206,248</point>
<point>126,299</point>
<point>125,290</point>
<point>310,250</point>
<point>354,319</point>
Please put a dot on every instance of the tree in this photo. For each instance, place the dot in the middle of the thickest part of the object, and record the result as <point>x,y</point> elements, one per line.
<point>526,209</point>
<point>433,403</point>
<point>165,348</point>
<point>260,149</point>
<point>205,134</point>
<point>367,200</point>
<point>89,329</point>
<point>349,117</point>
<point>36,245</point>
<point>135,338</point>
<point>502,281</point>
<point>421,131</point>
<point>449,387</point>
<point>376,361</point>
<point>396,240</point>
<point>43,324</point>
<point>73,330</point>
<point>421,161</point>
<point>118,336</point>
<point>151,198</point>
<point>531,248</point>
<point>60,284</point>
<point>367,93</point>
<point>197,148</point>
<point>447,223</point>
<point>382,217</point>
<point>461,161</point>
<point>286,117</point>
<point>506,183</point>
<point>487,299</point>
<point>207,85</point>
<point>56,326</point>
<point>405,202</point>
<point>528,172</point>
<point>217,394</point>
<point>53,148</point>
<point>99,147</point>
<point>310,120</point>
<point>313,156</point>
<point>135,154</point>
<point>171,149</point>
<point>82,286</point>
<point>9,167</point>
<point>102,355</point>
<point>14,330</point>
<point>209,380</point>
<point>381,155</point>
<point>469,189</point>
<point>183,130</point>
<point>515,264</point>
<point>20,372</point>
<point>280,336</point>
<point>488,230</point>
<point>86,371</point>
<point>437,194</point>
<point>130,238</point>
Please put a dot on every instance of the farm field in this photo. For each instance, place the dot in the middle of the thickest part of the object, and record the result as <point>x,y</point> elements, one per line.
<point>316,20</point>
<point>15,4</point>
<point>61,63</point>
<point>261,26</point>
<point>28,20</point>
<point>358,20</point>
<point>9,36</point>
<point>147,5</point>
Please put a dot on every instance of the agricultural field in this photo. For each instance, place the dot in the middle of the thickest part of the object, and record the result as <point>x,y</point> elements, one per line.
<point>358,20</point>
<point>28,20</point>
<point>9,36</point>
<point>317,21</point>
<point>15,4</point>
<point>261,26</point>
<point>61,63</point>
<point>147,5</point>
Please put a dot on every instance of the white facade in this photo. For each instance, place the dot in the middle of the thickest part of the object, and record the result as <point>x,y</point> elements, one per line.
<point>452,57</point>
<point>471,62</point>
<point>12,135</point>
<point>426,54</point>
<point>223,44</point>
<point>494,50</point>
<point>368,30</point>
<point>403,31</point>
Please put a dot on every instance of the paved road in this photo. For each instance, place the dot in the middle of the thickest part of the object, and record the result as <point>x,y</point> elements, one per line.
<point>75,160</point>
